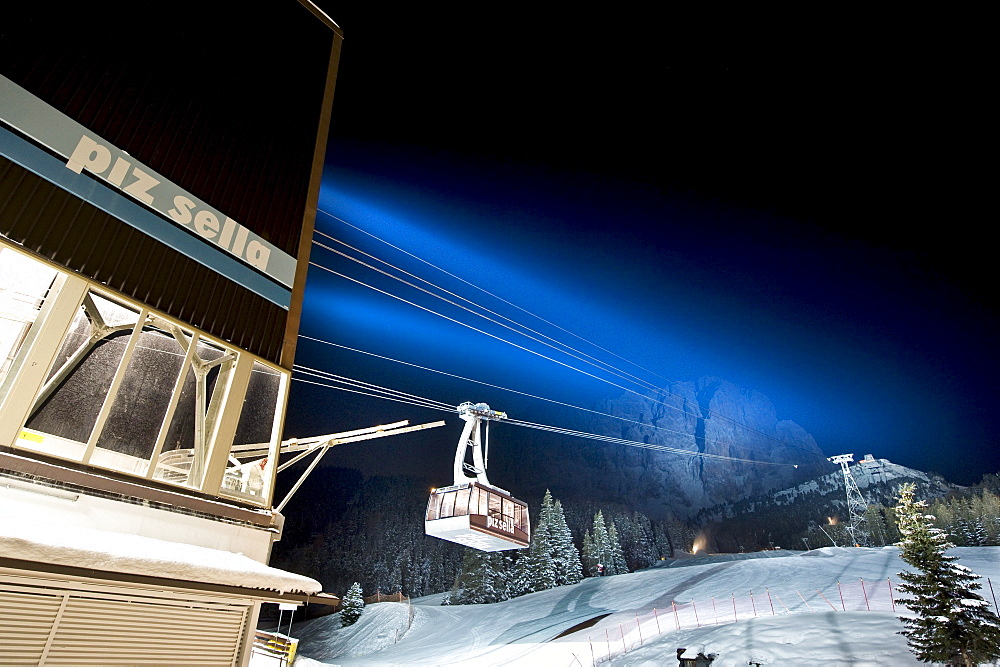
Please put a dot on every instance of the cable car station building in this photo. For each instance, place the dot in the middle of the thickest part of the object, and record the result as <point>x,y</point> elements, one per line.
<point>158,186</point>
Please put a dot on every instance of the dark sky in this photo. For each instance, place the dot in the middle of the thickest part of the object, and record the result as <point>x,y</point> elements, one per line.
<point>799,216</point>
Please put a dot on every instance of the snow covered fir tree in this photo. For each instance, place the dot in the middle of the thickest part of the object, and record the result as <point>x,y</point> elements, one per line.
<point>953,623</point>
<point>353,604</point>
<point>565,555</point>
<point>486,577</point>
<point>602,550</point>
<point>551,560</point>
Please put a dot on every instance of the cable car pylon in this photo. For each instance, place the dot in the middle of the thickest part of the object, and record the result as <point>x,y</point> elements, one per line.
<point>472,511</point>
<point>857,507</point>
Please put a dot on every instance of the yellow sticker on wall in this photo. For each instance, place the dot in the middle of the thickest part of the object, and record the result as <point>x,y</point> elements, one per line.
<point>33,437</point>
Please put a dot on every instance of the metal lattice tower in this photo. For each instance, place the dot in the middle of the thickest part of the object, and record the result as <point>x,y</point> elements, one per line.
<point>857,527</point>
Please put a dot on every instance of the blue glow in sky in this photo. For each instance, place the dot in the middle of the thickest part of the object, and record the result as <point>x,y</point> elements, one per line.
<point>798,227</point>
<point>681,286</point>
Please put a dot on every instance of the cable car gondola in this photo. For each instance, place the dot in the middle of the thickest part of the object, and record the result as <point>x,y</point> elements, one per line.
<point>473,512</point>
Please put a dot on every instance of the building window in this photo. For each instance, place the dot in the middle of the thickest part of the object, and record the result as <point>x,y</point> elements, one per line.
<point>124,388</point>
<point>24,287</point>
<point>253,457</point>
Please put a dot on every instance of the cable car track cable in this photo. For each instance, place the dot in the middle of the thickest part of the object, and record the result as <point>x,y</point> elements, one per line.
<point>488,293</point>
<point>614,370</point>
<point>494,386</point>
<point>624,375</point>
<point>429,403</point>
<point>543,356</point>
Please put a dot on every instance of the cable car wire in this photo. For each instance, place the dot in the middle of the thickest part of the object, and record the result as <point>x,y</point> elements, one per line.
<point>620,373</point>
<point>543,356</point>
<point>495,386</point>
<point>365,393</point>
<point>488,293</point>
<point>436,405</point>
<point>611,368</point>
<point>636,443</point>
<point>403,397</point>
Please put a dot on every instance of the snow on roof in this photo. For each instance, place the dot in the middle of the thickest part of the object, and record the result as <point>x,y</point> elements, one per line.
<point>76,546</point>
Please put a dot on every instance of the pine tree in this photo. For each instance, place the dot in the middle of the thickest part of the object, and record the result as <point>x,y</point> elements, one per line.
<point>637,541</point>
<point>545,512</point>
<point>565,556</point>
<point>534,570</point>
<point>352,605</point>
<point>484,578</point>
<point>601,547</point>
<point>615,554</point>
<point>953,623</point>
<point>589,557</point>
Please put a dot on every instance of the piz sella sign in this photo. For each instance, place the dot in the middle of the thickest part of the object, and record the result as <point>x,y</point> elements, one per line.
<point>84,150</point>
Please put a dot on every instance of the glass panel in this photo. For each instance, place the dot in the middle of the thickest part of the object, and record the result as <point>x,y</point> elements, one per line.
<point>251,461</point>
<point>129,436</point>
<point>448,506</point>
<point>484,502</point>
<point>114,314</point>
<point>494,510</point>
<point>473,499</point>
<point>433,506</point>
<point>73,395</point>
<point>88,323</point>
<point>177,458</point>
<point>24,286</point>
<point>79,333</point>
<point>518,517</point>
<point>508,509</point>
<point>462,502</point>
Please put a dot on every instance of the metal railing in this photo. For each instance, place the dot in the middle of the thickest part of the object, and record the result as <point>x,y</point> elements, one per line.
<point>275,646</point>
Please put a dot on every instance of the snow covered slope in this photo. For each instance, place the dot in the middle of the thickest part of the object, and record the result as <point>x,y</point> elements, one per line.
<point>811,629</point>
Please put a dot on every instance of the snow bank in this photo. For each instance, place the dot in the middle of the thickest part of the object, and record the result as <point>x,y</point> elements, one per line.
<point>384,624</point>
<point>131,554</point>
<point>526,630</point>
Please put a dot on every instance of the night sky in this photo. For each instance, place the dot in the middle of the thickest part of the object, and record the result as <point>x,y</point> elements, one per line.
<point>801,222</point>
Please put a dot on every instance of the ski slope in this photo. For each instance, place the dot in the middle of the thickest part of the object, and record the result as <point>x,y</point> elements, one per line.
<point>807,625</point>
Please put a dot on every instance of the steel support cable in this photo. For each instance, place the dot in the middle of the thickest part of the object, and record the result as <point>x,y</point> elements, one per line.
<point>496,386</point>
<point>636,443</point>
<point>365,393</point>
<point>369,386</point>
<point>562,431</point>
<point>620,373</point>
<point>343,378</point>
<point>502,340</point>
<point>548,358</point>
<point>488,293</point>
<point>610,368</point>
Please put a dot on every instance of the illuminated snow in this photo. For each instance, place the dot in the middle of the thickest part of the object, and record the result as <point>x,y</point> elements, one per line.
<point>523,631</point>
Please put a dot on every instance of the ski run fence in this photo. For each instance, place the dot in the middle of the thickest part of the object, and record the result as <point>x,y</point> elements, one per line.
<point>860,595</point>
<point>373,599</point>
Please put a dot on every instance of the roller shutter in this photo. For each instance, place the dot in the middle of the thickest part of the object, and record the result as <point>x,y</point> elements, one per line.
<point>51,626</point>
